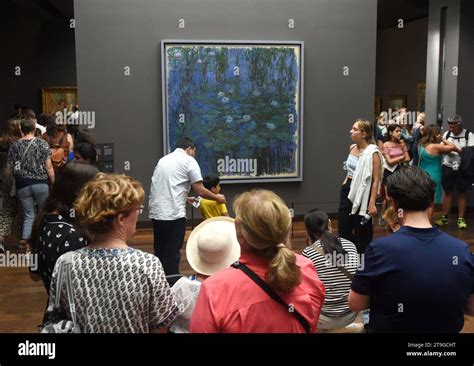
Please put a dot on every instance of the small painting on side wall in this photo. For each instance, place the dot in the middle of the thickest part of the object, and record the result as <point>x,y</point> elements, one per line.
<point>397,101</point>
<point>378,106</point>
<point>420,97</point>
<point>58,99</point>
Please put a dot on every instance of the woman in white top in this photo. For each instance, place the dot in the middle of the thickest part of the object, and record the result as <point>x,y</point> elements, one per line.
<point>360,187</point>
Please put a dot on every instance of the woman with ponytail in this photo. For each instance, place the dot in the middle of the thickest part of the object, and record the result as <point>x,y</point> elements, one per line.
<point>335,260</point>
<point>231,302</point>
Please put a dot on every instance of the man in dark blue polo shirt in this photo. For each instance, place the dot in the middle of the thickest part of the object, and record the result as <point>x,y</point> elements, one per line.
<point>418,279</point>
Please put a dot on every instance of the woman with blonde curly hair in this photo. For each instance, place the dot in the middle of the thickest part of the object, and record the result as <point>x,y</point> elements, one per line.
<point>117,289</point>
<point>230,301</point>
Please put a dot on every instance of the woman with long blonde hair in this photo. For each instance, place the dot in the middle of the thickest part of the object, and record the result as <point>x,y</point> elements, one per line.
<point>230,301</point>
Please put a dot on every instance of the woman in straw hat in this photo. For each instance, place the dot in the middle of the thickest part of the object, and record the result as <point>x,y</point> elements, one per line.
<point>212,246</point>
<point>291,296</point>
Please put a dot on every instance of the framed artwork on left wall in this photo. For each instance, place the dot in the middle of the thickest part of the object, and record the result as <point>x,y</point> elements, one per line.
<point>58,98</point>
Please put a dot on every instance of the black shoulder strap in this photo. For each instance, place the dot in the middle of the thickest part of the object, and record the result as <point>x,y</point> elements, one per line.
<point>448,135</point>
<point>466,137</point>
<point>62,139</point>
<point>271,293</point>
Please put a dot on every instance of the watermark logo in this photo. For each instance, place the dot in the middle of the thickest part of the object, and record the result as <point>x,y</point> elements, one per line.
<point>237,166</point>
<point>80,118</point>
<point>346,260</point>
<point>37,349</point>
<point>401,117</point>
<point>9,259</point>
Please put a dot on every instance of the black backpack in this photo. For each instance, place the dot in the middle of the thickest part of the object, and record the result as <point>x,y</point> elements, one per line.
<point>467,157</point>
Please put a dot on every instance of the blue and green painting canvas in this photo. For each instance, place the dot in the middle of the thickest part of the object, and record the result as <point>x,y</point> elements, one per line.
<point>240,104</point>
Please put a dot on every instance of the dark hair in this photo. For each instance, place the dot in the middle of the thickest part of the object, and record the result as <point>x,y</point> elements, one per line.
<point>84,136</point>
<point>390,128</point>
<point>87,151</point>
<point>184,143</point>
<point>69,181</point>
<point>411,188</point>
<point>27,126</point>
<point>46,120</point>
<point>54,129</point>
<point>28,114</point>
<point>211,181</point>
<point>316,222</point>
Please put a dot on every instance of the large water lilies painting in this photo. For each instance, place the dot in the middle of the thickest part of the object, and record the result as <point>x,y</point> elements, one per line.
<point>240,102</point>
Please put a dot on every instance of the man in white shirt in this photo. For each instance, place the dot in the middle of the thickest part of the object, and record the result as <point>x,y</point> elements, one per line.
<point>29,114</point>
<point>452,178</point>
<point>172,180</point>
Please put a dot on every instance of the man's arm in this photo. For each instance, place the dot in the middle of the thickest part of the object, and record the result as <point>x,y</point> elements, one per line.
<point>358,302</point>
<point>202,191</point>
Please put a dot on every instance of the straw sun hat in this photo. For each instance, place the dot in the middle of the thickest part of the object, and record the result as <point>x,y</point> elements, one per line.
<point>213,245</point>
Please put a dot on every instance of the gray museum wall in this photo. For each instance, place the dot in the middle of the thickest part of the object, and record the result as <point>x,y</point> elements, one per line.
<point>113,35</point>
<point>466,71</point>
<point>401,61</point>
<point>443,91</point>
<point>43,48</point>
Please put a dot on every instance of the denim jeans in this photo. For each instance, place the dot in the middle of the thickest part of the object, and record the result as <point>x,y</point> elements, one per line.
<point>29,196</point>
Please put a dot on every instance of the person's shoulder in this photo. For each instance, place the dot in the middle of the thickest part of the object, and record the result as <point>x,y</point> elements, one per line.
<point>225,277</point>
<point>303,261</point>
<point>385,241</point>
<point>348,245</point>
<point>145,255</point>
<point>41,142</point>
<point>452,241</point>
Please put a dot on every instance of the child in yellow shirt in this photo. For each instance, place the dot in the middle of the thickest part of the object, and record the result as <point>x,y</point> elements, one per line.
<point>211,208</point>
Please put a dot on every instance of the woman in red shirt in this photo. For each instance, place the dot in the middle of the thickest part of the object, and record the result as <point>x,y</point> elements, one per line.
<point>231,302</point>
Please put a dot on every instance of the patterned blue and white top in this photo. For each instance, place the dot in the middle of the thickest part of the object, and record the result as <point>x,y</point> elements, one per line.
<point>351,165</point>
<point>118,291</point>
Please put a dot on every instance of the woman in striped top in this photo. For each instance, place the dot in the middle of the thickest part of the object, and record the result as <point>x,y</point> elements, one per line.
<point>336,260</point>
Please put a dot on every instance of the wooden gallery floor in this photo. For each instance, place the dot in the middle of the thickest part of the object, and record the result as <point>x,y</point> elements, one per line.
<point>22,301</point>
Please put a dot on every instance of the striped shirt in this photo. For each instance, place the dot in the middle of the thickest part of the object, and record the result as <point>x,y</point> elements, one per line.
<point>335,281</point>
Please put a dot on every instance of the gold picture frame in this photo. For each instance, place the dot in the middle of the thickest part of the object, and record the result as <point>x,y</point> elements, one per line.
<point>378,106</point>
<point>396,102</point>
<point>420,97</point>
<point>58,98</point>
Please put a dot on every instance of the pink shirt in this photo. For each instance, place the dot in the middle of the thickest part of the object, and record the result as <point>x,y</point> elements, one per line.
<point>230,302</point>
<point>396,151</point>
